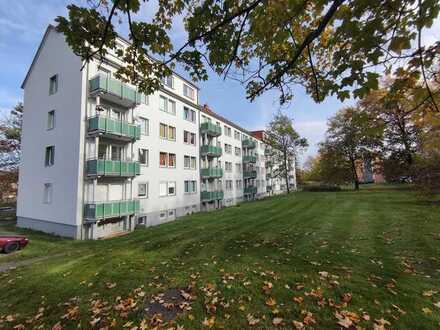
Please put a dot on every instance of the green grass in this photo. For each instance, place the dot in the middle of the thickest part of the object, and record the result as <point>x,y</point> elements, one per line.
<point>381,245</point>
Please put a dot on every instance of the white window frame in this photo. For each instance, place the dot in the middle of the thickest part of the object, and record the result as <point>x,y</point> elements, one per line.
<point>145,129</point>
<point>47,193</point>
<point>146,190</point>
<point>51,120</point>
<point>49,160</point>
<point>53,84</point>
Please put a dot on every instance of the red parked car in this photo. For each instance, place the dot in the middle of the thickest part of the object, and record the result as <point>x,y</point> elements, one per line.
<point>9,244</point>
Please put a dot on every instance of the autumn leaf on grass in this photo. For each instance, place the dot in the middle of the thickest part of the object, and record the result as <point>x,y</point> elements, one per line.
<point>426,311</point>
<point>270,301</point>
<point>252,320</point>
<point>209,323</point>
<point>298,325</point>
<point>298,300</point>
<point>277,321</point>
<point>309,319</point>
<point>429,293</point>
<point>380,324</point>
<point>110,285</point>
<point>437,304</point>
<point>57,326</point>
<point>323,274</point>
<point>346,297</point>
<point>400,310</point>
<point>267,287</point>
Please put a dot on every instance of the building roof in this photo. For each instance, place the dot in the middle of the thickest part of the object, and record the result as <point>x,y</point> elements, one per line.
<point>206,109</point>
<point>50,28</point>
<point>258,134</point>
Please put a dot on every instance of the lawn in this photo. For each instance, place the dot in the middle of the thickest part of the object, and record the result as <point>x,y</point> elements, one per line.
<point>319,260</point>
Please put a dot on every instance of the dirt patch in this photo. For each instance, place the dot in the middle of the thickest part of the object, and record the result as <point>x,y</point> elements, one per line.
<point>15,264</point>
<point>166,306</point>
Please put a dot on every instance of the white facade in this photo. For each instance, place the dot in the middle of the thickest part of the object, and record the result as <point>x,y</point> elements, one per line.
<point>100,158</point>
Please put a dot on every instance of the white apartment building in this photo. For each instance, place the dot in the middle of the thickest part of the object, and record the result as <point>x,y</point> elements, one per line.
<point>100,158</point>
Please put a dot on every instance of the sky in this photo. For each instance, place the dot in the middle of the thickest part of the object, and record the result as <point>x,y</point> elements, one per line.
<point>23,23</point>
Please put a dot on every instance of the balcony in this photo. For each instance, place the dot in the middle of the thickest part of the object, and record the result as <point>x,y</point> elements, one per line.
<point>207,196</point>
<point>250,190</point>
<point>249,174</point>
<point>249,144</point>
<point>111,128</point>
<point>211,173</point>
<point>112,168</point>
<point>115,91</point>
<point>111,209</point>
<point>210,129</point>
<point>210,151</point>
<point>249,159</point>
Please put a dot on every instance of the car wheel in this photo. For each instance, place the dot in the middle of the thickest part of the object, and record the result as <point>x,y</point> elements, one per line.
<point>11,247</point>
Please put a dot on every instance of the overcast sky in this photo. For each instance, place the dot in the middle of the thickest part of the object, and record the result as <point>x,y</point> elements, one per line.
<point>22,25</point>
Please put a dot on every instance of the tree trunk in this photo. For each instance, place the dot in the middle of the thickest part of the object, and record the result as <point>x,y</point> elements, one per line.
<point>355,176</point>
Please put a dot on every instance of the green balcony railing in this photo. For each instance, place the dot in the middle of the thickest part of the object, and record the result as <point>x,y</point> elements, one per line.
<point>249,159</point>
<point>207,196</point>
<point>116,88</point>
<point>210,129</point>
<point>209,150</point>
<point>116,168</point>
<point>250,144</point>
<point>249,174</point>
<point>114,127</point>
<point>211,172</point>
<point>250,190</point>
<point>110,209</point>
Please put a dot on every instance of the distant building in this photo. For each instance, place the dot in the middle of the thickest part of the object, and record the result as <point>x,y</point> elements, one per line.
<point>370,171</point>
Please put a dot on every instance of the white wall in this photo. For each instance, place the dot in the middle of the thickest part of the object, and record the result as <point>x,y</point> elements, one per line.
<point>55,58</point>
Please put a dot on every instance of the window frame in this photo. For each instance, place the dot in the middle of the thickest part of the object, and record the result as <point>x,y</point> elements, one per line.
<point>50,120</point>
<point>146,190</point>
<point>49,156</point>
<point>53,84</point>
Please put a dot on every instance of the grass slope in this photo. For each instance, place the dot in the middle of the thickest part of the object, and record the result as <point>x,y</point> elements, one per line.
<point>365,259</point>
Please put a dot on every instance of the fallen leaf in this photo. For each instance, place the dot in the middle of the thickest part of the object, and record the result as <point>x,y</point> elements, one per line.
<point>252,320</point>
<point>427,310</point>
<point>270,301</point>
<point>277,321</point>
<point>298,325</point>
<point>298,300</point>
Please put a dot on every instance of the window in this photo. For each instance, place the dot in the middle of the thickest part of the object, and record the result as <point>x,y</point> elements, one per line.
<point>228,148</point>
<point>168,81</point>
<point>189,162</point>
<point>188,91</point>
<point>162,189</point>
<point>238,167</point>
<point>163,103</point>
<point>163,130</point>
<point>228,166</point>
<point>237,184</point>
<point>167,132</point>
<point>228,184</point>
<point>49,159</point>
<point>143,190</point>
<point>167,105</point>
<point>171,188</point>
<point>172,107</point>
<point>189,138</point>
<point>163,159</point>
<point>116,153</point>
<point>145,126</point>
<point>171,133</point>
<point>142,220</point>
<point>47,194</point>
<point>171,160</point>
<point>190,186</point>
<point>189,114</point>
<point>237,135</point>
<point>228,131</point>
<point>237,151</point>
<point>51,119</point>
<point>53,84</point>
<point>167,160</point>
<point>167,188</point>
<point>143,156</point>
